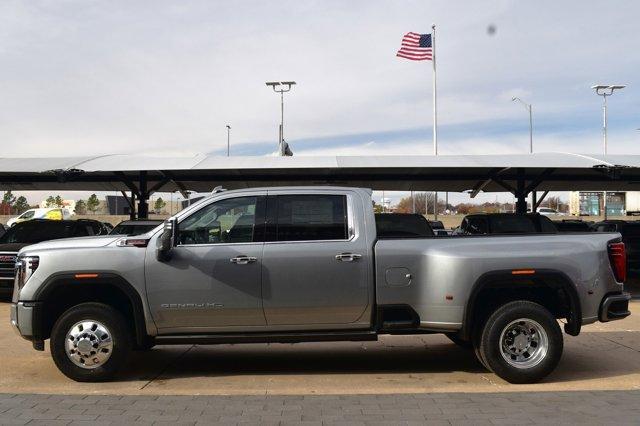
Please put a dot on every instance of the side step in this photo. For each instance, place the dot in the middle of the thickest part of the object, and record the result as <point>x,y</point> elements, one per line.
<point>225,338</point>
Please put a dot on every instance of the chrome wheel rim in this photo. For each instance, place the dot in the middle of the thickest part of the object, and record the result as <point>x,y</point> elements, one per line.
<point>89,344</point>
<point>524,343</point>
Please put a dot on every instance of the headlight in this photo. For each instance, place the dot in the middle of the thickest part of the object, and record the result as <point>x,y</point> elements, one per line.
<point>25,267</point>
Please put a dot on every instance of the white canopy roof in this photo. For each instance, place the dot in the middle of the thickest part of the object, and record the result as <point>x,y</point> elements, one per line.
<point>545,171</point>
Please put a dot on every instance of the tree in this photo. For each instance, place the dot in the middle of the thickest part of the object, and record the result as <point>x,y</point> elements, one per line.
<point>21,205</point>
<point>59,202</point>
<point>93,203</point>
<point>424,202</point>
<point>159,205</point>
<point>50,201</point>
<point>9,198</point>
<point>81,207</point>
<point>7,202</point>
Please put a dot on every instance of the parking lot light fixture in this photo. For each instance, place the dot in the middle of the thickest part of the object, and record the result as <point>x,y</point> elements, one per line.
<point>281,87</point>
<point>528,107</point>
<point>605,90</point>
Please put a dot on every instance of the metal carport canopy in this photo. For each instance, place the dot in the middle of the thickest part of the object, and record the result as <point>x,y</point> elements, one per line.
<point>455,173</point>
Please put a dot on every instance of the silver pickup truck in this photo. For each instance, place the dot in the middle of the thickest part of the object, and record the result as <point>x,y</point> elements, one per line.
<point>306,264</point>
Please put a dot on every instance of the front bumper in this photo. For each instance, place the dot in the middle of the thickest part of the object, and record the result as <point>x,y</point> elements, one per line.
<point>614,307</point>
<point>22,318</point>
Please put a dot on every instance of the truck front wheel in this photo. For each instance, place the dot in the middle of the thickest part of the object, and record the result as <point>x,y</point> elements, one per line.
<point>521,342</point>
<point>90,342</point>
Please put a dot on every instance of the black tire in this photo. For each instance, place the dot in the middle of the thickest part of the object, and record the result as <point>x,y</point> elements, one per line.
<point>455,338</point>
<point>475,342</point>
<point>119,335</point>
<point>533,366</point>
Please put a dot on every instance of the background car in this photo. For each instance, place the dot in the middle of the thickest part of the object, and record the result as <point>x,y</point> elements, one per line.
<point>402,225</point>
<point>51,214</point>
<point>135,227</point>
<point>546,211</point>
<point>35,231</point>
<point>439,229</point>
<point>630,231</point>
<point>506,223</point>
<point>573,225</point>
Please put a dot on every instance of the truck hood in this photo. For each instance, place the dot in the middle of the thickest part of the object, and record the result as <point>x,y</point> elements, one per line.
<point>74,243</point>
<point>11,247</point>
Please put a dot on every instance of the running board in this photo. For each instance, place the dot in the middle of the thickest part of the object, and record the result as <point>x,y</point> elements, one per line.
<point>218,339</point>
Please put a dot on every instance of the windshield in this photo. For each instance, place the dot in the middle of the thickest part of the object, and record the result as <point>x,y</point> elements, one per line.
<point>35,232</point>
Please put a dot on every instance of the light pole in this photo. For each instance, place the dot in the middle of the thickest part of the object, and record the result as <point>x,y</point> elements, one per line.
<point>228,138</point>
<point>605,90</point>
<point>281,87</point>
<point>534,194</point>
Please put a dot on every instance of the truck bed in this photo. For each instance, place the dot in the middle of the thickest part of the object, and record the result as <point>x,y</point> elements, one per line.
<point>436,275</point>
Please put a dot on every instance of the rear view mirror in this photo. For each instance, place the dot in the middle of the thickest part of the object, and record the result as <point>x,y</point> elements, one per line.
<point>167,240</point>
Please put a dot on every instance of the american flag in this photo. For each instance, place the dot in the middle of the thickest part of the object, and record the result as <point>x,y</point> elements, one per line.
<point>416,47</point>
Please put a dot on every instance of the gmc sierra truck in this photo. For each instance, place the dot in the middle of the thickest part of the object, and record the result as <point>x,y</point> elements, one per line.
<point>306,264</point>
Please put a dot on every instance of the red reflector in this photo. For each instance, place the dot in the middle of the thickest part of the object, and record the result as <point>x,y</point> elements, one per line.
<point>618,260</point>
<point>523,272</point>
<point>81,276</point>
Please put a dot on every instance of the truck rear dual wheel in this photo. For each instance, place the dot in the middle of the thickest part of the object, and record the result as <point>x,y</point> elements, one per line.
<point>521,342</point>
<point>90,342</point>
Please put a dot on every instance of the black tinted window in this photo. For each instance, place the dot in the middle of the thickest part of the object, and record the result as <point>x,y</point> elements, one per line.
<point>512,224</point>
<point>630,230</point>
<point>402,225</point>
<point>573,227</point>
<point>311,217</point>
<point>35,232</point>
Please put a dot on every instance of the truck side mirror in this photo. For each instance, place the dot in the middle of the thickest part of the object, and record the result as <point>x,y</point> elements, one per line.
<point>167,240</point>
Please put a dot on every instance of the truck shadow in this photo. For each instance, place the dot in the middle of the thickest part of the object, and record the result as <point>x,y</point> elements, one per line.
<point>595,355</point>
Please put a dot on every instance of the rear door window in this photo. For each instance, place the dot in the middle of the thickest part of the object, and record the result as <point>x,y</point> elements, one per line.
<point>308,217</point>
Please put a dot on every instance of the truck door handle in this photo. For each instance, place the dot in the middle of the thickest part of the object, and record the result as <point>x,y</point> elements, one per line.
<point>348,257</point>
<point>243,260</point>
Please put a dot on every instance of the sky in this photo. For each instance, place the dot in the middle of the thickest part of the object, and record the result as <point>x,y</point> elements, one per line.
<point>166,77</point>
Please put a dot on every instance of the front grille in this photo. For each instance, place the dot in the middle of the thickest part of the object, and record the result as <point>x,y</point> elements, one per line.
<point>7,267</point>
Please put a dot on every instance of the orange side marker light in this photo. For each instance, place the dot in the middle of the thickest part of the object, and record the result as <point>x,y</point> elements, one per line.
<point>523,272</point>
<point>82,276</point>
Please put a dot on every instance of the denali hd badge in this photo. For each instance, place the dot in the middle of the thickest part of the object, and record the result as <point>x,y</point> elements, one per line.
<point>208,305</point>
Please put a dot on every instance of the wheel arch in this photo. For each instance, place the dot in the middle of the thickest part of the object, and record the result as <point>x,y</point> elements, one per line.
<point>540,280</point>
<point>65,289</point>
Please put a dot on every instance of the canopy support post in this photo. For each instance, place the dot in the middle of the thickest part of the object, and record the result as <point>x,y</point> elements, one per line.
<point>520,193</point>
<point>143,204</point>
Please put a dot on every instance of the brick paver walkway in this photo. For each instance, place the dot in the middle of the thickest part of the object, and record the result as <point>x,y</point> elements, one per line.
<point>596,407</point>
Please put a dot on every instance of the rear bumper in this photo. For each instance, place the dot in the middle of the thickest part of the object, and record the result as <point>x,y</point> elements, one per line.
<point>614,307</point>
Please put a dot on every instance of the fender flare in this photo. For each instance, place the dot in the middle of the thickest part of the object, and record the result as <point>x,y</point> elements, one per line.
<point>548,277</point>
<point>62,279</point>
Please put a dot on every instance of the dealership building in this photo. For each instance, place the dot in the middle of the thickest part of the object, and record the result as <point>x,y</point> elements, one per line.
<point>590,203</point>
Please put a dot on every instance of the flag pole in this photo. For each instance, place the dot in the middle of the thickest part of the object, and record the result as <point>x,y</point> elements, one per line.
<point>435,112</point>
